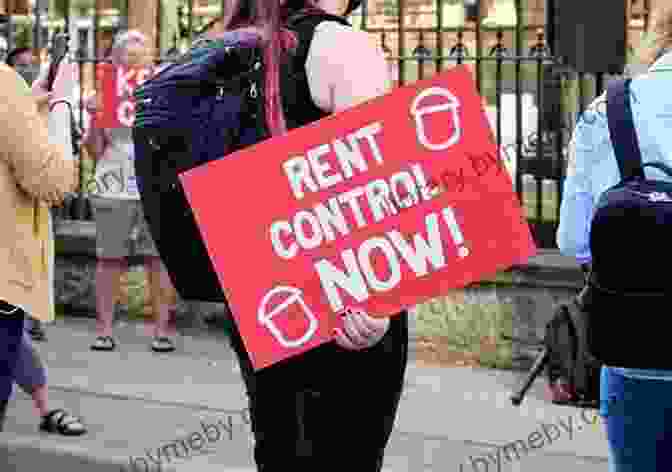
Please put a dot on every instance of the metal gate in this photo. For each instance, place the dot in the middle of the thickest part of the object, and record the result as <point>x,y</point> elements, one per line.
<point>532,101</point>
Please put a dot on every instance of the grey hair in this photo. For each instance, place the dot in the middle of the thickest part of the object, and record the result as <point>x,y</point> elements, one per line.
<point>122,41</point>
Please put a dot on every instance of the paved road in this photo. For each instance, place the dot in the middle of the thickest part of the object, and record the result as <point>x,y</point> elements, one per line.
<point>139,407</point>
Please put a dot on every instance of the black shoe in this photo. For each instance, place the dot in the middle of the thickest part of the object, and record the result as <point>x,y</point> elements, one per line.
<point>37,332</point>
<point>61,422</point>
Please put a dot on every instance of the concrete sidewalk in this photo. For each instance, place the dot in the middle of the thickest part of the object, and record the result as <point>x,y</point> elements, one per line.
<point>139,406</point>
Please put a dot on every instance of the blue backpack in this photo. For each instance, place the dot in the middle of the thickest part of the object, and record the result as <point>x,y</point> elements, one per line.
<point>205,106</point>
<point>627,288</point>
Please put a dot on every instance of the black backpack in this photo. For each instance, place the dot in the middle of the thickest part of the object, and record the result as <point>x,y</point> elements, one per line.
<point>572,372</point>
<point>628,291</point>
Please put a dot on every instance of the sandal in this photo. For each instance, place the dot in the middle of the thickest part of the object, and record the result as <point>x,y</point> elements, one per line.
<point>61,422</point>
<point>37,332</point>
<point>104,343</point>
<point>162,344</point>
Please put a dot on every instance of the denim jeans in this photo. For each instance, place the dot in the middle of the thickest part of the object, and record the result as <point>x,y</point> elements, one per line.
<point>638,418</point>
<point>11,331</point>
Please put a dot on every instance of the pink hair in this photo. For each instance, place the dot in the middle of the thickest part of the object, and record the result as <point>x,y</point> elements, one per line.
<point>268,21</point>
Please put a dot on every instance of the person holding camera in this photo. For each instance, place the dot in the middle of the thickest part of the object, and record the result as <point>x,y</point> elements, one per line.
<point>21,59</point>
<point>35,174</point>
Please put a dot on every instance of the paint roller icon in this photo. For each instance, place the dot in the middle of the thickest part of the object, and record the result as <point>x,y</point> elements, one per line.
<point>294,296</point>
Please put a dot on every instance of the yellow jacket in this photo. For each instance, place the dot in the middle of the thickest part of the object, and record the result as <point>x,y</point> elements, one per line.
<point>34,175</point>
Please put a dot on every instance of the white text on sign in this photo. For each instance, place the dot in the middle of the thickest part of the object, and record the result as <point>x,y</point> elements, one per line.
<point>325,222</point>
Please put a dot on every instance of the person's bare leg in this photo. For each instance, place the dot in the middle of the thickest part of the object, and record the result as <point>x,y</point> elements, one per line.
<point>31,375</point>
<point>40,399</point>
<point>108,279</point>
<point>159,286</point>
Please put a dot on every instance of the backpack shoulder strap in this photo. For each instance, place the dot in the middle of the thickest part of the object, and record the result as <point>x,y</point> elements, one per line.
<point>304,24</point>
<point>622,130</point>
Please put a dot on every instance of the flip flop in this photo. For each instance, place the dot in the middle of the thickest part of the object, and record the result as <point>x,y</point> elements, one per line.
<point>162,344</point>
<point>104,343</point>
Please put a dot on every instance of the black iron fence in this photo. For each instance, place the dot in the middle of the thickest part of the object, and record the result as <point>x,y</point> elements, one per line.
<point>531,99</point>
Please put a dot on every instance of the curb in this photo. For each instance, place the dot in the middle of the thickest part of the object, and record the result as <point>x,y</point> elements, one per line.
<point>23,453</point>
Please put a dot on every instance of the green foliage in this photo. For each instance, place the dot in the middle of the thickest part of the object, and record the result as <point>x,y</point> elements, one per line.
<point>87,170</point>
<point>58,8</point>
<point>138,292</point>
<point>24,36</point>
<point>391,7</point>
<point>466,325</point>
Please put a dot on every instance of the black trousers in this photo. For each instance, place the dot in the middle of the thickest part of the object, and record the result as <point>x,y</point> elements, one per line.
<point>11,332</point>
<point>329,408</point>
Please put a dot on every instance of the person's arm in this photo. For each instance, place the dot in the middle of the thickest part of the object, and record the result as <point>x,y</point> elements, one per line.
<point>40,168</point>
<point>94,140</point>
<point>590,141</point>
<point>345,67</point>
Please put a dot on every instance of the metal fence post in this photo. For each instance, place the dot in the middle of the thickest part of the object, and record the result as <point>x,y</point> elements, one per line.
<point>37,27</point>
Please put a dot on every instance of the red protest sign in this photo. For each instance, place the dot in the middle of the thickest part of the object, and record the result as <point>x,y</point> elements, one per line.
<point>117,84</point>
<point>382,207</point>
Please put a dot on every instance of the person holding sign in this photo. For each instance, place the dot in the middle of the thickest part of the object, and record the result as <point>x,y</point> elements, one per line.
<point>303,409</point>
<point>30,372</point>
<point>120,222</point>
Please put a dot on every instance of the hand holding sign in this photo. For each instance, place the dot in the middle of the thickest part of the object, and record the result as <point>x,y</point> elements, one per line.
<point>360,331</point>
<point>346,216</point>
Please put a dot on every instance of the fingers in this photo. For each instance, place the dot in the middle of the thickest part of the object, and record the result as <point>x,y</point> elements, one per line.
<point>360,331</point>
<point>91,103</point>
<point>343,341</point>
<point>374,324</point>
<point>353,328</point>
<point>357,322</point>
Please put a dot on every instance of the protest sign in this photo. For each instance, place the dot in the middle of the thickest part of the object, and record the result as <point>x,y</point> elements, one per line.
<point>117,84</point>
<point>380,207</point>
